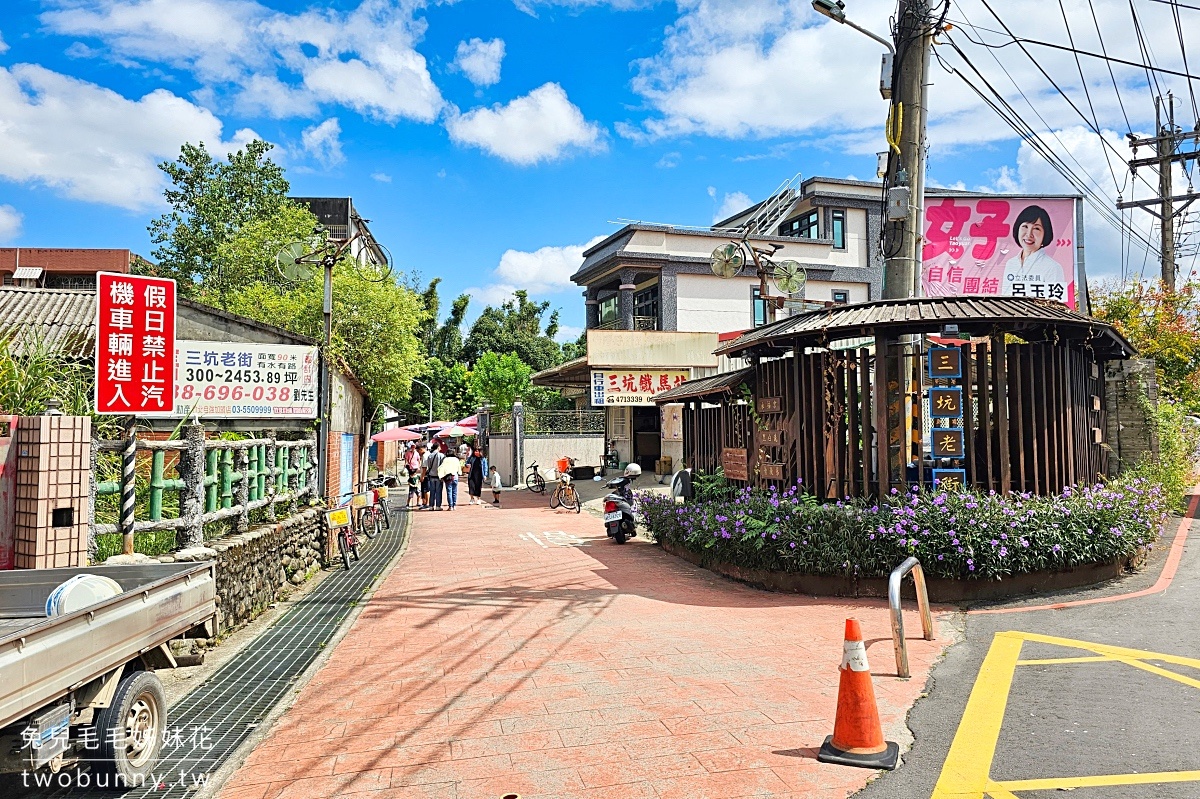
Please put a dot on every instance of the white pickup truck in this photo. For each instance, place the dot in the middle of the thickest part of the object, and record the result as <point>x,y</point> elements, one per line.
<point>82,685</point>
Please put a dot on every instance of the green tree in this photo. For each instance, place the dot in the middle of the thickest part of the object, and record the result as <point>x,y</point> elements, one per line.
<point>374,325</point>
<point>448,340</point>
<point>500,379</point>
<point>1162,325</point>
<point>211,201</point>
<point>453,396</point>
<point>515,327</point>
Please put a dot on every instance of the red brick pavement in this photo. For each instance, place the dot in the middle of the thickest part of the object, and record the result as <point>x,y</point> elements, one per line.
<point>491,661</point>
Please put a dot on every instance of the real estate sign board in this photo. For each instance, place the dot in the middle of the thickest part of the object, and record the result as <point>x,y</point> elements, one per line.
<point>233,380</point>
<point>1000,245</point>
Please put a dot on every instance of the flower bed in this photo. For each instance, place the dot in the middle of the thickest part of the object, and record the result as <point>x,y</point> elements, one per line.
<point>956,535</point>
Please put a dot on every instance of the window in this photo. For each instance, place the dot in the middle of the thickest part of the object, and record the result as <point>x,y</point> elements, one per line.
<point>837,225</point>
<point>804,226</point>
<point>608,310</point>
<point>618,424</point>
<point>760,307</point>
<point>70,281</point>
<point>645,302</point>
<point>841,297</point>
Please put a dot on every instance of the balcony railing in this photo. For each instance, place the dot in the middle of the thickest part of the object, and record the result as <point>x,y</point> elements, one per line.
<point>639,323</point>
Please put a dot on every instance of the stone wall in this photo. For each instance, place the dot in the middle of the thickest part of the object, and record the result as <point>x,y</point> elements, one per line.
<point>1131,395</point>
<point>254,567</point>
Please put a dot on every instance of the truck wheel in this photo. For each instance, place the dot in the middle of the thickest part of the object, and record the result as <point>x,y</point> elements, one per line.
<point>130,730</point>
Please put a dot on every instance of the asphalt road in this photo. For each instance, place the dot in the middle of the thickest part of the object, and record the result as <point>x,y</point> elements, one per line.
<point>1092,716</point>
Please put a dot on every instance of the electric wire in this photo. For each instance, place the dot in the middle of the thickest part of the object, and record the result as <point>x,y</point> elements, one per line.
<point>1107,63</point>
<point>1183,52</point>
<point>1144,48</point>
<point>1086,92</point>
<point>1098,200</point>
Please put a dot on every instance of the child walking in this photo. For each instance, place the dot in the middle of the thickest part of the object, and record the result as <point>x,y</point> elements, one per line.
<point>414,489</point>
<point>496,485</point>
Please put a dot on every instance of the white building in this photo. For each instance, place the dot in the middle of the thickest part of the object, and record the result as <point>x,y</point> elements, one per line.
<point>656,311</point>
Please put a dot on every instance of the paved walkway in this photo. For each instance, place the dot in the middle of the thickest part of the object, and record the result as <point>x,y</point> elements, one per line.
<point>520,651</point>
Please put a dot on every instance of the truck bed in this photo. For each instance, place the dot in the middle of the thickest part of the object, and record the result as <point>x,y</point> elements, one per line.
<point>42,659</point>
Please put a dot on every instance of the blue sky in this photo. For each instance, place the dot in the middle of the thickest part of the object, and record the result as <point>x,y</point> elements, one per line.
<point>489,140</point>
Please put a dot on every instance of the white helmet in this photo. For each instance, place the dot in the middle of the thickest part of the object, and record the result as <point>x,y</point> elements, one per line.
<point>633,470</point>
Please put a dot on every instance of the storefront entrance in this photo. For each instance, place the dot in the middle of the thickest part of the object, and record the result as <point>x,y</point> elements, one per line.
<point>647,437</point>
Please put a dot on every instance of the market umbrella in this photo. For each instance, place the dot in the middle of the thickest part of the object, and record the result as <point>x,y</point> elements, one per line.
<point>470,421</point>
<point>396,434</point>
<point>456,431</point>
<point>439,424</point>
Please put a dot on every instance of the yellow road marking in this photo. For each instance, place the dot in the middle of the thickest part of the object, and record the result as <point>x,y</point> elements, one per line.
<point>1056,661</point>
<point>970,758</point>
<point>1161,672</point>
<point>966,772</point>
<point>1104,780</point>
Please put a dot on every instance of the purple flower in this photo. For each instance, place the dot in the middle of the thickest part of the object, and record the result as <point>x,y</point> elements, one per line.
<point>1003,552</point>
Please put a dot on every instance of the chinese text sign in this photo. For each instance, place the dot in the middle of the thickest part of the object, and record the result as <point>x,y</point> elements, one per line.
<point>633,387</point>
<point>135,345</point>
<point>232,380</point>
<point>1000,246</point>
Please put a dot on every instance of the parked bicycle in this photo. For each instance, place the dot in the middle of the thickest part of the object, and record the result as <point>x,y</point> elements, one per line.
<point>534,480</point>
<point>381,510</point>
<point>347,538</point>
<point>370,510</point>
<point>565,494</point>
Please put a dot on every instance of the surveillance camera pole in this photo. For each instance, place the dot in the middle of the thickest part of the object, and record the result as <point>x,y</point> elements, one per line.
<point>902,238</point>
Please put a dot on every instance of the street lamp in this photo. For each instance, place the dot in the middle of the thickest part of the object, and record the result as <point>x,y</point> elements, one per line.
<point>430,390</point>
<point>836,11</point>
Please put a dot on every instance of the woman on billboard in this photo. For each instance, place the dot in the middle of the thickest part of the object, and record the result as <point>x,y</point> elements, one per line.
<point>1032,265</point>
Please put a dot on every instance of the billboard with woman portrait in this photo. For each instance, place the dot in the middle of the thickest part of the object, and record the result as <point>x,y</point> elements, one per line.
<point>1001,246</point>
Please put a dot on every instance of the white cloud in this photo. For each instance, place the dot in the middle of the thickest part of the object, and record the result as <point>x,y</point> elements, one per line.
<point>480,60</point>
<point>540,126</point>
<point>546,270</point>
<point>731,204</point>
<point>282,64</point>
<point>91,143</point>
<point>568,333</point>
<point>381,177</point>
<point>669,160</point>
<point>530,6</point>
<point>3,45</point>
<point>10,223</point>
<point>323,142</point>
<point>764,68</point>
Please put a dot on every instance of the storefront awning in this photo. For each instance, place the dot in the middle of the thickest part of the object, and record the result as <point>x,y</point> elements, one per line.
<point>572,374</point>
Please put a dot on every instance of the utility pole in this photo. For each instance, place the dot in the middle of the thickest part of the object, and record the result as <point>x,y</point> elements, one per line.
<point>906,161</point>
<point>1166,142</point>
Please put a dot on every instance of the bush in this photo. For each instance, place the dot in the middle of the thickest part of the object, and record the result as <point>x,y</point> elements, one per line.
<point>1179,447</point>
<point>958,535</point>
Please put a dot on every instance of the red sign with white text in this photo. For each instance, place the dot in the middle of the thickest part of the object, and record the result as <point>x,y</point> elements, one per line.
<point>135,345</point>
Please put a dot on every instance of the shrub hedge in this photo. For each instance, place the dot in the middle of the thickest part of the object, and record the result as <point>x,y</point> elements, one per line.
<point>958,535</point>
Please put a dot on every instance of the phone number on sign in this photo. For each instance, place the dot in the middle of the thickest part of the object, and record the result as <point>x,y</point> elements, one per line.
<point>256,394</point>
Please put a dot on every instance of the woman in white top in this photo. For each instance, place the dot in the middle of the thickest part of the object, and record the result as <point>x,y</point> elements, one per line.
<point>1032,265</point>
<point>448,473</point>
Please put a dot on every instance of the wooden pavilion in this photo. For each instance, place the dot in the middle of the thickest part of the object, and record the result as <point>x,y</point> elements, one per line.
<point>1000,393</point>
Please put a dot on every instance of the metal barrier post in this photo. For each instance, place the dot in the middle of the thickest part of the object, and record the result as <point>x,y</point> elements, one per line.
<point>910,565</point>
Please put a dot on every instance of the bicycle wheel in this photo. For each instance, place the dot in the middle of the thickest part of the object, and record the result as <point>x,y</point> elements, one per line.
<point>379,516</point>
<point>575,499</point>
<point>556,498</point>
<point>364,523</point>
<point>535,483</point>
<point>385,513</point>
<point>344,546</point>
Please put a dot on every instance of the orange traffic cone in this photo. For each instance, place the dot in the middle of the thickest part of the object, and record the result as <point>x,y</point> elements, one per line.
<point>857,738</point>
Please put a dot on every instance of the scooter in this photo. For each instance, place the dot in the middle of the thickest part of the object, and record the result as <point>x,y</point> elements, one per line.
<point>619,521</point>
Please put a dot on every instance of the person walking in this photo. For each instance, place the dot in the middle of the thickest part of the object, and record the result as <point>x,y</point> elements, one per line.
<point>477,471</point>
<point>448,471</point>
<point>433,484</point>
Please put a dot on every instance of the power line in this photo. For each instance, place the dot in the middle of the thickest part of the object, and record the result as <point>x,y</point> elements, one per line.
<point>1173,3</point>
<point>1144,48</point>
<point>1086,92</point>
<point>1183,52</point>
<point>1107,63</point>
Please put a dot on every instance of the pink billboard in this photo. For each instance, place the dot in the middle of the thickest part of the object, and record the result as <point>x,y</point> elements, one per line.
<point>1002,246</point>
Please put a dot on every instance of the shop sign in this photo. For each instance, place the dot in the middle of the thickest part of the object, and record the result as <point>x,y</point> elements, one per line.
<point>950,479</point>
<point>231,380</point>
<point>633,386</point>
<point>947,442</point>
<point>734,464</point>
<point>767,405</point>
<point>769,438</point>
<point>945,363</point>
<point>945,403</point>
<point>135,344</point>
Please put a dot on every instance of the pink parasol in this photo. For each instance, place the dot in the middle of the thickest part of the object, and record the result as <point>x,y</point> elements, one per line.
<point>470,421</point>
<point>396,434</point>
<point>457,431</point>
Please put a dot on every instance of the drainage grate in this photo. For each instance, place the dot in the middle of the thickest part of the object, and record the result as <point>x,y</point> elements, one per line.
<point>215,718</point>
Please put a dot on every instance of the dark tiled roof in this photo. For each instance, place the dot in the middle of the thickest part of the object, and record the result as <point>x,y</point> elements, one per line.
<point>974,315</point>
<point>704,386</point>
<point>64,319</point>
